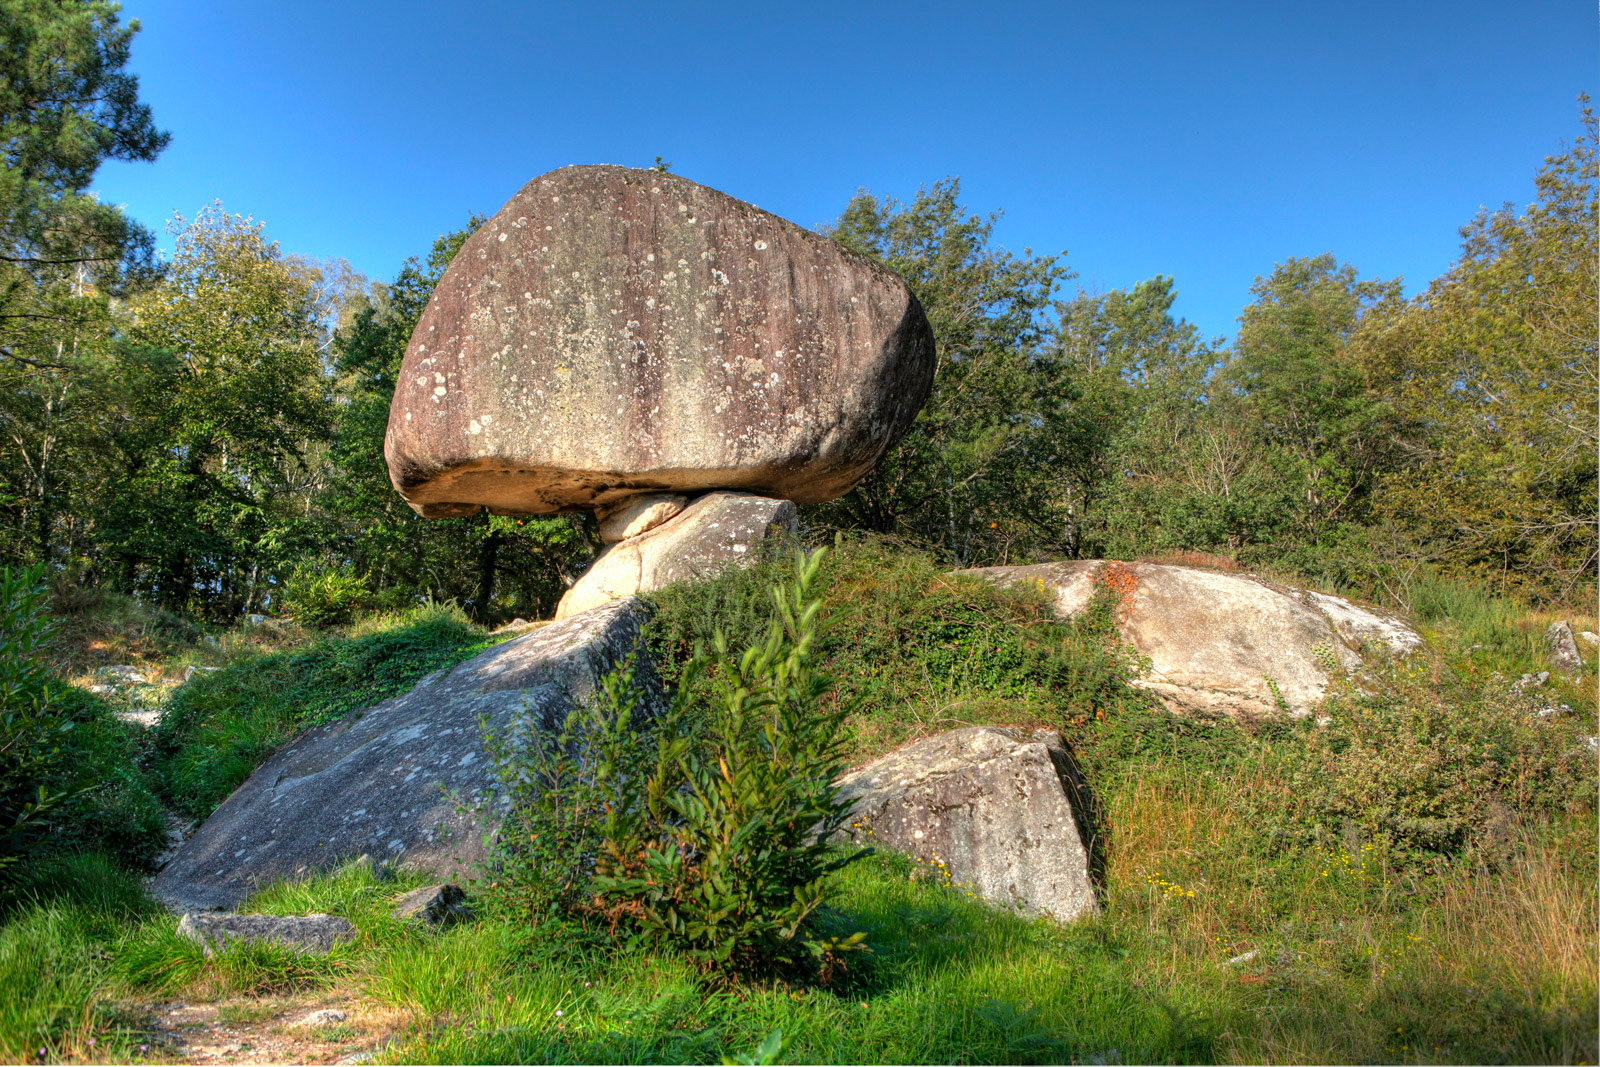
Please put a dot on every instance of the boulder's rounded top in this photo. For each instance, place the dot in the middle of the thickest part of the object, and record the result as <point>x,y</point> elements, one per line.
<point>612,331</point>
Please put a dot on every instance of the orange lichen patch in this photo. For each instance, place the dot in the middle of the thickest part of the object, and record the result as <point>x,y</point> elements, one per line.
<point>1120,579</point>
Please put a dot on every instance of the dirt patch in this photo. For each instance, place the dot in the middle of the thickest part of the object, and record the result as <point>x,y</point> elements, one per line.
<point>247,1030</point>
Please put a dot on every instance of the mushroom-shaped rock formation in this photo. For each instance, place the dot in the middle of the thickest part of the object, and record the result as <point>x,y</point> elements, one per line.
<point>614,332</point>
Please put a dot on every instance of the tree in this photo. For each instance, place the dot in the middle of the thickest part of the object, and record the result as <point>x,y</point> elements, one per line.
<point>225,406</point>
<point>964,469</point>
<point>1310,399</point>
<point>1495,369</point>
<point>66,105</point>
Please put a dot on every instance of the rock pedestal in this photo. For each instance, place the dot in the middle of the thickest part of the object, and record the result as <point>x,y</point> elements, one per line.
<point>718,530</point>
<point>612,332</point>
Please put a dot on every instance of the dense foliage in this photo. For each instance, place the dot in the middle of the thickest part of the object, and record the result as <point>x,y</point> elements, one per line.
<point>704,826</point>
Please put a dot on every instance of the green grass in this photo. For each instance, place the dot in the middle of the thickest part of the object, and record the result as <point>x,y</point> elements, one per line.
<point>219,727</point>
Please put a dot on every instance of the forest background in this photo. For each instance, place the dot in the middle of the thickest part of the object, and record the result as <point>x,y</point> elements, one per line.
<point>204,431</point>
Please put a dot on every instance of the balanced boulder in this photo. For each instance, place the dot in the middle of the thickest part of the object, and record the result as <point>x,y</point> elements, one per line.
<point>386,782</point>
<point>990,810</point>
<point>1225,643</point>
<point>613,332</point>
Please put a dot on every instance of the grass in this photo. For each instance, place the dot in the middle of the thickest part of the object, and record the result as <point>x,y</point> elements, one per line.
<point>219,726</point>
<point>1415,881</point>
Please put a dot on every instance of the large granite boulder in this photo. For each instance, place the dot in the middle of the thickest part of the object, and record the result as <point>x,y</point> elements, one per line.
<point>716,531</point>
<point>994,811</point>
<point>1225,643</point>
<point>611,332</point>
<point>376,781</point>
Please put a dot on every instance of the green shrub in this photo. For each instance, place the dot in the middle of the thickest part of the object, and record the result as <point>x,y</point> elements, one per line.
<point>913,648</point>
<point>706,829</point>
<point>1437,768</point>
<point>319,598</point>
<point>38,771</point>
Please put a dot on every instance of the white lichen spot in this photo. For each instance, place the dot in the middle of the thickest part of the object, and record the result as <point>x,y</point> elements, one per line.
<point>761,246</point>
<point>474,427</point>
<point>502,237</point>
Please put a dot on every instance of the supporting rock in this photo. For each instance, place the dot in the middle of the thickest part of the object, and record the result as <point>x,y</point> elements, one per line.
<point>718,530</point>
<point>995,811</point>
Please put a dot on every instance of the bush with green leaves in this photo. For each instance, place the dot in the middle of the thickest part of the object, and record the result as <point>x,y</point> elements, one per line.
<point>706,828</point>
<point>323,597</point>
<point>37,764</point>
<point>913,648</point>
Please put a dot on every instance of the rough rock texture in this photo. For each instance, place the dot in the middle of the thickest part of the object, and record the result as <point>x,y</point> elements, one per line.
<point>614,331</point>
<point>316,934</point>
<point>1563,648</point>
<point>371,782</point>
<point>436,905</point>
<point>638,514</point>
<point>716,531</point>
<point>989,809</point>
<point>1229,643</point>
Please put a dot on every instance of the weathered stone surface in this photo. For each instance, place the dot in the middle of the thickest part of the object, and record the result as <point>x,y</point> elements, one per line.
<point>989,809</point>
<point>374,782</point>
<point>614,331</point>
<point>436,905</point>
<point>316,934</point>
<point>1563,648</point>
<point>1226,643</point>
<point>716,531</point>
<point>638,514</point>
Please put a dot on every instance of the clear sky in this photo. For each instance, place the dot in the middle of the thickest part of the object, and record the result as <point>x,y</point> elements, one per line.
<point>1206,141</point>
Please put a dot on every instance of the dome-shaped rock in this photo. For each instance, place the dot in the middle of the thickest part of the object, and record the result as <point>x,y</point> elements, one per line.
<point>614,331</point>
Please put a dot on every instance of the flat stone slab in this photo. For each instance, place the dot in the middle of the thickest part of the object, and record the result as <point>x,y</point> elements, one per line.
<point>718,530</point>
<point>613,331</point>
<point>1225,643</point>
<point>989,809</point>
<point>375,782</point>
<point>315,934</point>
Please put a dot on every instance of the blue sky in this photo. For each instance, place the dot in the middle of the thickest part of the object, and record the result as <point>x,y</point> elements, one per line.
<point>1206,141</point>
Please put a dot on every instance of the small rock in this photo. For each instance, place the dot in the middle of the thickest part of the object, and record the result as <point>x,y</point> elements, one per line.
<point>321,1017</point>
<point>1563,649</point>
<point>1589,637</point>
<point>436,905</point>
<point>1551,711</point>
<point>354,1057</point>
<point>124,674</point>
<point>256,620</point>
<point>315,934</point>
<point>1593,743</point>
<point>102,690</point>
<point>1530,681</point>
<point>145,717</point>
<point>212,641</point>
<point>1243,957</point>
<point>191,670</point>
